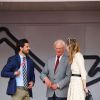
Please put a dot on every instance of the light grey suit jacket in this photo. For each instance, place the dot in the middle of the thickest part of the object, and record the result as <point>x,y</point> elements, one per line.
<point>61,77</point>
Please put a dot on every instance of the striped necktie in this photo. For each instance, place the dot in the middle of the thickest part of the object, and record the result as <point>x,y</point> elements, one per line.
<point>25,73</point>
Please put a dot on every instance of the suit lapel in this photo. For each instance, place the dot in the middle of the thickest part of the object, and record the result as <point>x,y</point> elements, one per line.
<point>53,65</point>
<point>28,65</point>
<point>18,61</point>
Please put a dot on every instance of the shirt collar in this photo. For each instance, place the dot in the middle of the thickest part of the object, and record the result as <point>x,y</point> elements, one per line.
<point>22,55</point>
<point>59,57</point>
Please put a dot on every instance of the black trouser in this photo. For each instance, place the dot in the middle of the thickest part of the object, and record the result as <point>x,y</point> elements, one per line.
<point>56,98</point>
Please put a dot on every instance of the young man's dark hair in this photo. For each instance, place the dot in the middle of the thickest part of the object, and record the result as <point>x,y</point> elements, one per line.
<point>21,43</point>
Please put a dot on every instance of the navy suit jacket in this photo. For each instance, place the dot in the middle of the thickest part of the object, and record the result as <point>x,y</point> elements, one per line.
<point>13,64</point>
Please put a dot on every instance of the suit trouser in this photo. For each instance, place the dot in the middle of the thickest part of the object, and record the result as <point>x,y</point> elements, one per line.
<point>56,98</point>
<point>21,94</point>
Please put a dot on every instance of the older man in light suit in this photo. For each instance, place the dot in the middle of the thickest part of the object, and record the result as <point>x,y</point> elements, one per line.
<point>56,73</point>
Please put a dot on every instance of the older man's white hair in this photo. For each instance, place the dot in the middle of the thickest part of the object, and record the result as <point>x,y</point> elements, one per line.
<point>59,41</point>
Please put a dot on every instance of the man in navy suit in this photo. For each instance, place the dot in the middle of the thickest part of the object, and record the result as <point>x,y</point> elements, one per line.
<point>20,70</point>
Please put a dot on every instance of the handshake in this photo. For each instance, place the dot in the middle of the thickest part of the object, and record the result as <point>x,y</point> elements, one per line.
<point>49,84</point>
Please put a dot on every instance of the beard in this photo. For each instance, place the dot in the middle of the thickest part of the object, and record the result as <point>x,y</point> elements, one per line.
<point>25,53</point>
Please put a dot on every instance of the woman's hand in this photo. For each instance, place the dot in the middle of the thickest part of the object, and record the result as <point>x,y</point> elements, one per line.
<point>86,90</point>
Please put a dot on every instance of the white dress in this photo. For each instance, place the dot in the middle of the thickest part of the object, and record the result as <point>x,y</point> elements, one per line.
<point>75,90</point>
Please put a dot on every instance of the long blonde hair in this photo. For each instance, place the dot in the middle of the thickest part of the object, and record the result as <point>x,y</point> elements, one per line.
<point>73,48</point>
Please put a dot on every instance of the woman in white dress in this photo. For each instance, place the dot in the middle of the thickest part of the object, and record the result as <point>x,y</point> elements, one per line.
<point>77,87</point>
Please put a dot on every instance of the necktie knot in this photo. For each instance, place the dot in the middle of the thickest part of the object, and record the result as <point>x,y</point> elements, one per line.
<point>58,57</point>
<point>24,58</point>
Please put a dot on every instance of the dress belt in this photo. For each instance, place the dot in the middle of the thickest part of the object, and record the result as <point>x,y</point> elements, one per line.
<point>78,75</point>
